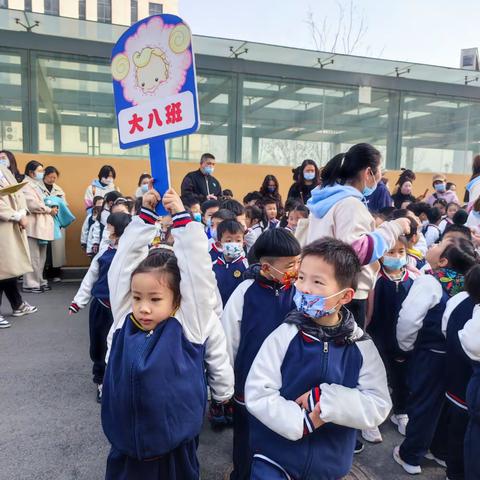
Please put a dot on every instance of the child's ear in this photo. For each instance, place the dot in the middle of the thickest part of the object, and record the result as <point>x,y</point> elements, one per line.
<point>443,262</point>
<point>347,296</point>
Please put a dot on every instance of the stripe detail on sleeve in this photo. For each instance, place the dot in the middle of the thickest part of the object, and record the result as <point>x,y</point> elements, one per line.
<point>308,426</point>
<point>148,216</point>
<point>181,219</point>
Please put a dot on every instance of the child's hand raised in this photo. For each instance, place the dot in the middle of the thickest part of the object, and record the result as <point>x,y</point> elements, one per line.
<point>172,202</point>
<point>151,199</point>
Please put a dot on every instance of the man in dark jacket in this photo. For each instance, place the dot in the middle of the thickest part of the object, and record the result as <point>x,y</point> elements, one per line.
<point>201,182</point>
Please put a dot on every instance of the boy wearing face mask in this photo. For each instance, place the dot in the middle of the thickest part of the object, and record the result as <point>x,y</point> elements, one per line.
<point>393,284</point>
<point>256,307</point>
<point>317,378</point>
<point>95,286</point>
<point>214,245</point>
<point>231,264</point>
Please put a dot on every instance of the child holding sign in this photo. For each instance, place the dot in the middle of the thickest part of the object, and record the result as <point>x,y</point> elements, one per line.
<point>154,394</point>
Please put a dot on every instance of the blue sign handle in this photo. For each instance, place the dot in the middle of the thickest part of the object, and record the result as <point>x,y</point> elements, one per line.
<point>160,171</point>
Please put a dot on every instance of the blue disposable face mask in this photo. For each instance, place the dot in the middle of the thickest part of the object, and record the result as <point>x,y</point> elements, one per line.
<point>208,170</point>
<point>271,189</point>
<point>144,188</point>
<point>39,176</point>
<point>314,305</point>
<point>4,162</point>
<point>309,176</point>
<point>394,263</point>
<point>197,217</point>
<point>367,191</point>
<point>213,233</point>
<point>440,187</point>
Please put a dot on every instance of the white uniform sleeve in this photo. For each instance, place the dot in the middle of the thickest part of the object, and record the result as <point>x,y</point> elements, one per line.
<point>264,381</point>
<point>470,336</point>
<point>84,234</point>
<point>219,303</point>
<point>84,293</point>
<point>197,284</point>
<point>132,249</point>
<point>452,304</point>
<point>219,371</point>
<point>365,406</point>
<point>431,236</point>
<point>426,292</point>
<point>232,318</point>
<point>94,234</point>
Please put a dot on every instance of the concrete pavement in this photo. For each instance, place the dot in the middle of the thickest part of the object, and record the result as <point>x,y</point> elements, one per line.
<point>50,423</point>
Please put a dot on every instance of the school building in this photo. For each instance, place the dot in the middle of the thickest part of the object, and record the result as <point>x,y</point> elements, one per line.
<point>263,108</point>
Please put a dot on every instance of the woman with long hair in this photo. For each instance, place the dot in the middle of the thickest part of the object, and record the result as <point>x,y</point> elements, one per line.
<point>473,186</point>
<point>307,177</point>
<point>270,189</point>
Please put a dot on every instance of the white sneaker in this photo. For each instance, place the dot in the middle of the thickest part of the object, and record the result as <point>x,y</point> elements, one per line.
<point>401,422</point>
<point>372,435</point>
<point>411,469</point>
<point>431,456</point>
<point>24,309</point>
<point>4,323</point>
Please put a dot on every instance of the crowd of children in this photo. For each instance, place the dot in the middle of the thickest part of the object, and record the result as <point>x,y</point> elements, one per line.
<point>303,323</point>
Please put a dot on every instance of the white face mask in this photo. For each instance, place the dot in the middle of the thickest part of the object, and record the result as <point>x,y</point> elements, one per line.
<point>232,249</point>
<point>5,162</point>
<point>107,181</point>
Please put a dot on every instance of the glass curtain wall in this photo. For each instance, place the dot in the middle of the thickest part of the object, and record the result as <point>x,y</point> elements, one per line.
<point>285,122</point>
<point>11,125</point>
<point>63,104</point>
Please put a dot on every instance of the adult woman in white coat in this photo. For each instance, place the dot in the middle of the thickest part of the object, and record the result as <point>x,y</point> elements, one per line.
<point>39,227</point>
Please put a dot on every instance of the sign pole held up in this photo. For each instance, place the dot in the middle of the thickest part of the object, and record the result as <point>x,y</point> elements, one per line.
<point>160,171</point>
<point>155,89</point>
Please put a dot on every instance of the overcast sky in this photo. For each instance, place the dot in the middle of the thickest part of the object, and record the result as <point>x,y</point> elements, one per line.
<point>424,31</point>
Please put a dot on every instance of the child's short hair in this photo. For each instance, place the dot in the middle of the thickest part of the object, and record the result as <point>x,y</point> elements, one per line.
<point>472,283</point>
<point>190,200</point>
<point>268,201</point>
<point>234,206</point>
<point>227,193</point>
<point>275,243</point>
<point>460,254</point>
<point>301,209</point>
<point>162,262</point>
<point>252,197</point>
<point>112,196</point>
<point>440,201</point>
<point>224,214</point>
<point>229,226</point>
<point>460,217</point>
<point>434,215</point>
<point>119,222</point>
<point>461,229</point>
<point>419,207</point>
<point>97,198</point>
<point>340,256</point>
<point>209,204</point>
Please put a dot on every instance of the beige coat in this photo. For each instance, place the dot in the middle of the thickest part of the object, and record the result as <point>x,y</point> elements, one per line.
<point>14,253</point>
<point>40,222</point>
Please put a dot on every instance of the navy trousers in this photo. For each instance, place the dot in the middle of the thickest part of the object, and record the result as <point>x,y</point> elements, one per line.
<point>425,403</point>
<point>100,320</point>
<point>457,421</point>
<point>262,470</point>
<point>472,435</point>
<point>179,464</point>
<point>242,455</point>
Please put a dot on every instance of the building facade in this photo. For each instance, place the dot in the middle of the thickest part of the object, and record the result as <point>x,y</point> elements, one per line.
<point>259,104</point>
<point>118,12</point>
